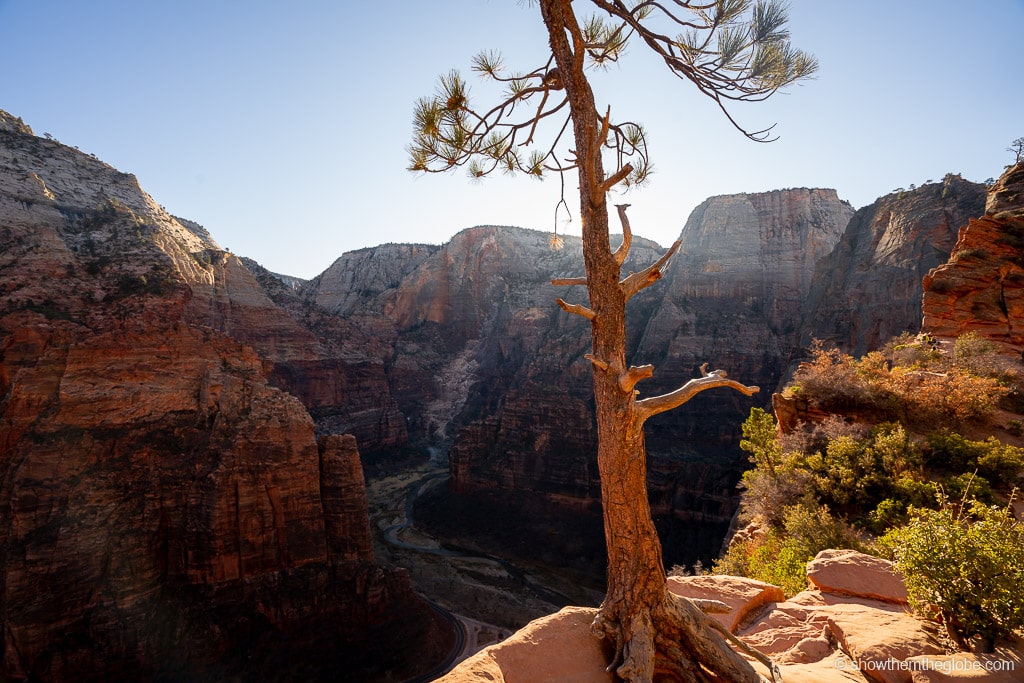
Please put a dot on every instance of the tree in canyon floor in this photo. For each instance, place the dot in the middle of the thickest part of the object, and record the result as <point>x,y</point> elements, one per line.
<point>731,50</point>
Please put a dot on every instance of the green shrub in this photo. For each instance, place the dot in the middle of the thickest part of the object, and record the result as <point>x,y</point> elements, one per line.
<point>975,353</point>
<point>889,513</point>
<point>780,555</point>
<point>966,564</point>
<point>759,440</point>
<point>998,462</point>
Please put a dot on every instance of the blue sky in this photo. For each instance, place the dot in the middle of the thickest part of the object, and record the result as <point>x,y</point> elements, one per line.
<point>282,128</point>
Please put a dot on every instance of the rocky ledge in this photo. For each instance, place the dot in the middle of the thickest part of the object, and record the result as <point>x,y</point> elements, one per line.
<point>851,624</point>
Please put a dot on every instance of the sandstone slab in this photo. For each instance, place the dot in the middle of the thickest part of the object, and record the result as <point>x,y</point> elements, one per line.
<point>555,649</point>
<point>848,572</point>
<point>1005,665</point>
<point>879,639</point>
<point>743,596</point>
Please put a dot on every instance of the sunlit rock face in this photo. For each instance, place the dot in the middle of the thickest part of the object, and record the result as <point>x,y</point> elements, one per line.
<point>482,359</point>
<point>166,512</point>
<point>733,298</point>
<point>735,294</point>
<point>868,290</point>
<point>981,287</point>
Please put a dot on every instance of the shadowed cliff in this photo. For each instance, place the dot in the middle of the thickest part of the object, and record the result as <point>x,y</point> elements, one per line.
<point>166,512</point>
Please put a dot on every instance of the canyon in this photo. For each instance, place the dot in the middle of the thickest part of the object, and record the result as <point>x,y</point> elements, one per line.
<point>168,513</point>
<point>184,434</point>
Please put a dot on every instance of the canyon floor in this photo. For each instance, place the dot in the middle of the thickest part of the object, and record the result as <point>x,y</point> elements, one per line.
<point>490,596</point>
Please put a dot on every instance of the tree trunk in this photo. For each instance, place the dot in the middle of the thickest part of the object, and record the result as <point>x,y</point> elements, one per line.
<point>653,631</point>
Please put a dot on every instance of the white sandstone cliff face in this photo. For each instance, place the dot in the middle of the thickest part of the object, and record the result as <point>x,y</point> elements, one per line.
<point>362,275</point>
<point>742,275</point>
<point>732,297</point>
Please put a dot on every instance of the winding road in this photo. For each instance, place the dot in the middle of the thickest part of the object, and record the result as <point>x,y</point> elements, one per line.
<point>391,535</point>
<point>460,625</point>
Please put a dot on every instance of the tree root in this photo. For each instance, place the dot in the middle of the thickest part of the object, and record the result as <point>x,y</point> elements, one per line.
<point>676,640</point>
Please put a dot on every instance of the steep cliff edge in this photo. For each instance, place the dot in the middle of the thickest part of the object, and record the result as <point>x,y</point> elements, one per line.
<point>736,292</point>
<point>165,511</point>
<point>981,287</point>
<point>868,289</point>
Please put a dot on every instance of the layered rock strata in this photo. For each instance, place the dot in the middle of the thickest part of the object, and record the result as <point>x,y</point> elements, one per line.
<point>981,287</point>
<point>166,513</point>
<point>480,358</point>
<point>733,298</point>
<point>868,289</point>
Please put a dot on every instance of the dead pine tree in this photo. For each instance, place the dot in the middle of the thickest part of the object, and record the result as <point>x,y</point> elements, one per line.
<point>547,121</point>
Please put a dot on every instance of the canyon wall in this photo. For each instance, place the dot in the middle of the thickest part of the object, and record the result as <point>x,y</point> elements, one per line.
<point>733,298</point>
<point>166,512</point>
<point>981,287</point>
<point>868,289</point>
<point>485,365</point>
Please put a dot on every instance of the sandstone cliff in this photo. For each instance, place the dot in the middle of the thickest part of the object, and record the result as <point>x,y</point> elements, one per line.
<point>481,358</point>
<point>981,287</point>
<point>868,289</point>
<point>735,294</point>
<point>733,297</point>
<point>165,511</point>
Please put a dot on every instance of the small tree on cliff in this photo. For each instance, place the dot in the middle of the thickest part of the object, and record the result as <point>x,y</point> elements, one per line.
<point>1017,147</point>
<point>731,50</point>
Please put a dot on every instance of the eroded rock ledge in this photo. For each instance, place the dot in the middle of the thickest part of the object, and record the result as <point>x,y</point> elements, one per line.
<point>851,624</point>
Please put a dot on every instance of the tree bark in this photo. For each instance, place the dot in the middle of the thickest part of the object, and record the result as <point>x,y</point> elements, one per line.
<point>653,631</point>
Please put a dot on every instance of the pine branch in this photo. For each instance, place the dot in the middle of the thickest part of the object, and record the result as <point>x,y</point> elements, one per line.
<point>635,282</point>
<point>654,405</point>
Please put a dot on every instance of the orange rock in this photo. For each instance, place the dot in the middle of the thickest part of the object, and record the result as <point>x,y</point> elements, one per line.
<point>743,596</point>
<point>878,640</point>
<point>165,513</point>
<point>848,572</point>
<point>981,287</point>
<point>555,649</point>
<point>1005,665</point>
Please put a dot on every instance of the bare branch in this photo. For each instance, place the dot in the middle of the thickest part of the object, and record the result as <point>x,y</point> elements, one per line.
<point>654,405</point>
<point>616,178</point>
<point>635,282</point>
<point>629,378</point>
<point>569,281</point>
<point>627,236</point>
<point>603,137</point>
<point>596,361</point>
<point>577,309</point>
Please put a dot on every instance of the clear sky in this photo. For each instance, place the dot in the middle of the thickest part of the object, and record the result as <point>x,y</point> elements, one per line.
<point>282,127</point>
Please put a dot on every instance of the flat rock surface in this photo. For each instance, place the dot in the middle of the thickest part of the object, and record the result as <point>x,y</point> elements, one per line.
<point>848,572</point>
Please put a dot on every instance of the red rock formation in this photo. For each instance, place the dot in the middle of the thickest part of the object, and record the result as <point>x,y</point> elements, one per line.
<point>981,287</point>
<point>165,512</point>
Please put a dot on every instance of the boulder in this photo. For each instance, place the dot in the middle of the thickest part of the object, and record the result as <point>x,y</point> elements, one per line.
<point>786,627</point>
<point>555,649</point>
<point>848,572</point>
<point>880,640</point>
